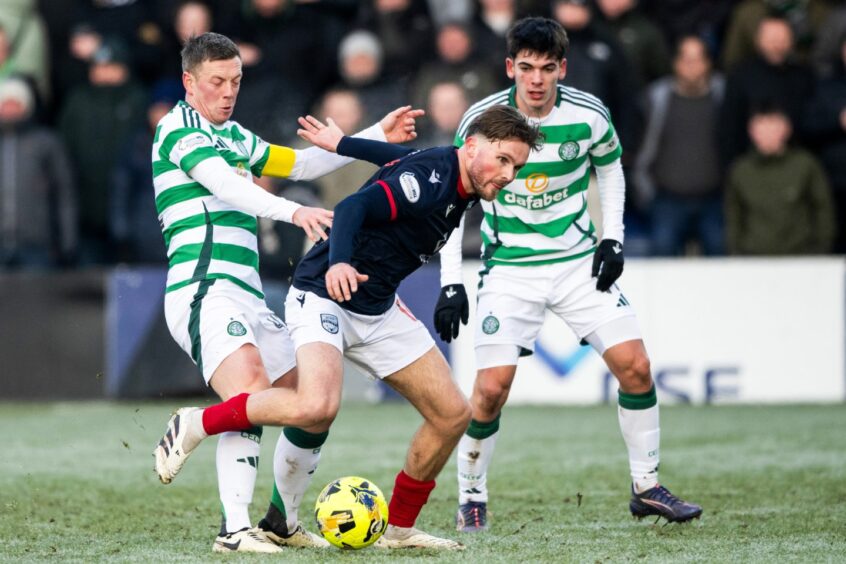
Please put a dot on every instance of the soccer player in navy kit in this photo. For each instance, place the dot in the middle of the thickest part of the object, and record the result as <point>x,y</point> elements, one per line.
<point>343,303</point>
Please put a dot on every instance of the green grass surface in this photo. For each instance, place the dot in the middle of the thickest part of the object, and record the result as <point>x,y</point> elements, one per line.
<point>76,484</point>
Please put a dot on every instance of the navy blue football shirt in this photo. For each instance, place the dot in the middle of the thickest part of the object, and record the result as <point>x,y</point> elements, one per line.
<point>396,222</point>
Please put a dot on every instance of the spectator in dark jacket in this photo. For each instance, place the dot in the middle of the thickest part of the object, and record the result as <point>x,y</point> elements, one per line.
<point>825,124</point>
<point>771,77</point>
<point>38,208</point>
<point>96,122</point>
<point>643,42</point>
<point>778,201</point>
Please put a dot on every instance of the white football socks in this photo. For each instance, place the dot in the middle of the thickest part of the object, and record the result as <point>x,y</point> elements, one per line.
<point>237,465</point>
<point>474,453</point>
<point>294,466</point>
<point>642,434</point>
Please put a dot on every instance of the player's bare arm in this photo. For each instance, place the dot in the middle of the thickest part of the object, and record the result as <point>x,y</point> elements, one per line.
<point>342,281</point>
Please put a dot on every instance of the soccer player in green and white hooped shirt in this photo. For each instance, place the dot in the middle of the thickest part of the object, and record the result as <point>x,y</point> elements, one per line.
<point>203,165</point>
<point>540,252</point>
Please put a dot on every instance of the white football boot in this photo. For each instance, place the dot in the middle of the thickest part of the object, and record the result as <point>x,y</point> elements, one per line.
<point>245,540</point>
<point>409,537</point>
<point>300,538</point>
<point>173,450</point>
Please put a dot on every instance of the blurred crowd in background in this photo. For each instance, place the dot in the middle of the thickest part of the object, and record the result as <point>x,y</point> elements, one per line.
<point>732,113</point>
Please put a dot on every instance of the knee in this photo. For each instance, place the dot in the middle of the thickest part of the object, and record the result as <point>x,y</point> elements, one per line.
<point>317,413</point>
<point>635,373</point>
<point>454,421</point>
<point>491,392</point>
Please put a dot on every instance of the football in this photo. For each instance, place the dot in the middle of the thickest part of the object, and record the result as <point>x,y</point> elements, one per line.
<point>351,512</point>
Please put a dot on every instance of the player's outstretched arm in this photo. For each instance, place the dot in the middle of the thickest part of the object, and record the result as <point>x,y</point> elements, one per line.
<point>217,177</point>
<point>329,136</point>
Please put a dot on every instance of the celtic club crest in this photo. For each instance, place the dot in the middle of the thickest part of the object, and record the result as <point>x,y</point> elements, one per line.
<point>490,325</point>
<point>236,329</point>
<point>568,151</point>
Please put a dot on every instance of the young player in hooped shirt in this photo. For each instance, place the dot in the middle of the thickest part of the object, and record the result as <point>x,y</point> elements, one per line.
<point>538,237</point>
<point>203,164</point>
<point>343,303</point>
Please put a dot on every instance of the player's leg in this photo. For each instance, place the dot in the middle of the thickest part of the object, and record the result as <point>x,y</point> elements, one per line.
<point>237,454</point>
<point>497,368</point>
<point>606,320</point>
<point>294,462</point>
<point>400,350</point>
<point>311,406</point>
<point>507,323</point>
<point>428,385</point>
<point>623,351</point>
<point>219,331</point>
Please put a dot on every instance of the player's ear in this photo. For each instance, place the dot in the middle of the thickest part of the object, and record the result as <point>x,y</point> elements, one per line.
<point>471,145</point>
<point>188,82</point>
<point>509,67</point>
<point>562,71</point>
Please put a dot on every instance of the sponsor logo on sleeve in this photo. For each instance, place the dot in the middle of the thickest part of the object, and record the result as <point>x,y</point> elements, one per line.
<point>329,323</point>
<point>190,141</point>
<point>410,186</point>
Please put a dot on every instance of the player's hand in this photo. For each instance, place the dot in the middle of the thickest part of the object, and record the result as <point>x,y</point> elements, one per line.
<point>607,263</point>
<point>326,136</point>
<point>312,221</point>
<point>451,310</point>
<point>399,125</point>
<point>342,281</point>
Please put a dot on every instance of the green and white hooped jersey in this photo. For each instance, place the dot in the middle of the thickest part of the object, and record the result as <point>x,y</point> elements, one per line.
<point>206,238</point>
<point>541,217</point>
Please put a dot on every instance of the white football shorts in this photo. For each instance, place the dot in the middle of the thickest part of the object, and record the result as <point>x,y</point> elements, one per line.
<point>378,344</point>
<point>212,326</point>
<point>512,302</point>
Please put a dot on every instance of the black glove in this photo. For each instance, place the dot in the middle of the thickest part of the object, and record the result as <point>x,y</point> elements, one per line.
<point>451,308</point>
<point>607,263</point>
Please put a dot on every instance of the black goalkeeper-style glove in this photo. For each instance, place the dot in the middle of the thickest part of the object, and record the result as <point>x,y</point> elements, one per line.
<point>451,310</point>
<point>607,263</point>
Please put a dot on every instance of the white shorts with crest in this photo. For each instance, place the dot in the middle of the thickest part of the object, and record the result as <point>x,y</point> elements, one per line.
<point>378,344</point>
<point>211,322</point>
<point>512,302</point>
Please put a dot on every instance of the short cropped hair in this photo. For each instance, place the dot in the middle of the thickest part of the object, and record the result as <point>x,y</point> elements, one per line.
<point>501,123</point>
<point>207,47</point>
<point>537,35</point>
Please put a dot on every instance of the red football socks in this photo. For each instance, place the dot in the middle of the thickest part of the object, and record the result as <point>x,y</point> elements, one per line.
<point>230,415</point>
<point>408,499</point>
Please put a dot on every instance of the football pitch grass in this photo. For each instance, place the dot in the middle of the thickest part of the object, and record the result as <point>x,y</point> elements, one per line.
<point>76,484</point>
